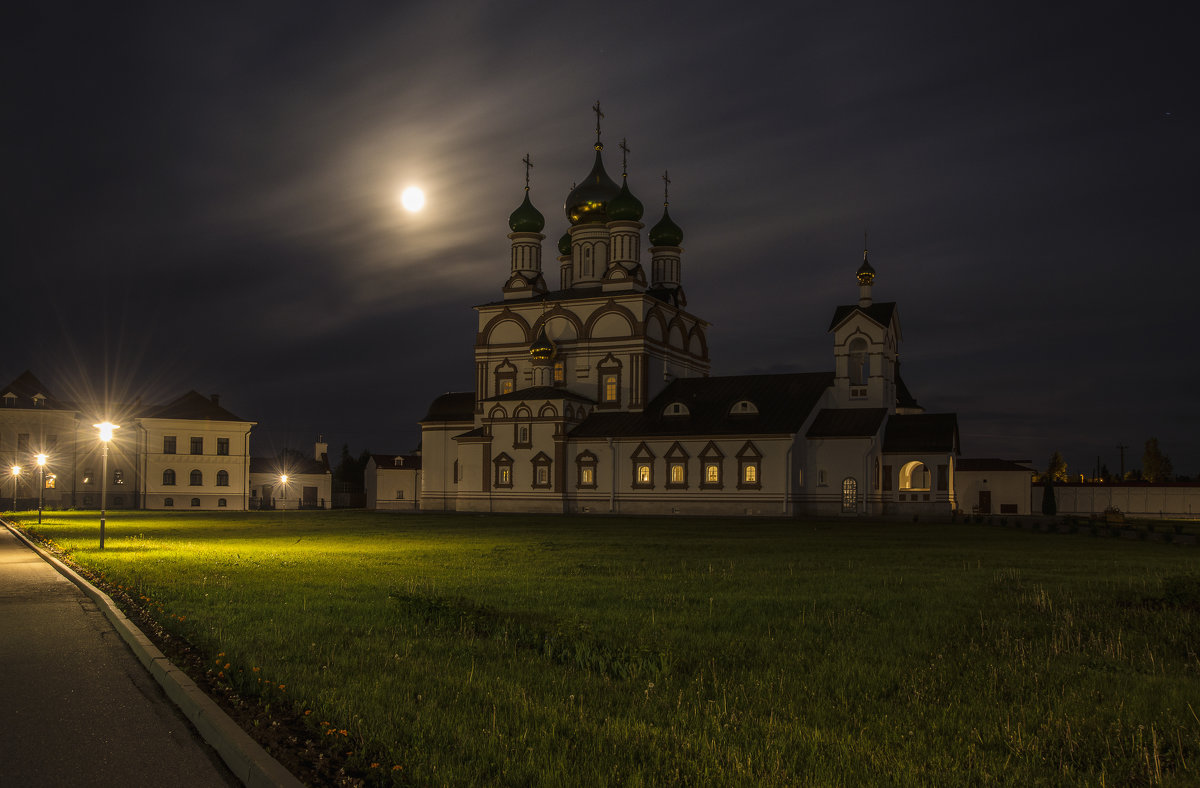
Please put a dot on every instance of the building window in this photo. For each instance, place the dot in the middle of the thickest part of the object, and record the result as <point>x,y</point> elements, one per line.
<point>195,502</point>
<point>711,459</point>
<point>560,372</point>
<point>51,481</point>
<point>887,478</point>
<point>506,375</point>
<point>169,477</point>
<point>586,464</point>
<point>858,362</point>
<point>222,478</point>
<point>506,386</point>
<point>168,444</point>
<point>118,477</point>
<point>87,476</point>
<point>643,467</point>
<point>223,446</point>
<point>51,442</point>
<point>197,445</point>
<point>87,500</point>
<point>943,482</point>
<point>221,502</point>
<point>168,501</point>
<point>399,495</point>
<point>23,442</point>
<point>456,471</point>
<point>609,377</point>
<point>522,438</point>
<point>749,467</point>
<point>197,478</point>
<point>504,468</point>
<point>849,495</point>
<point>677,467</point>
<point>541,471</point>
<point>118,500</point>
<point>822,478</point>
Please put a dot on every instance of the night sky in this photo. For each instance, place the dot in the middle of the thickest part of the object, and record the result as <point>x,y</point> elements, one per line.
<point>204,197</point>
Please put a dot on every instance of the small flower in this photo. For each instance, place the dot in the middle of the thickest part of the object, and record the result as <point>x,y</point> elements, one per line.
<point>374,766</point>
<point>281,686</point>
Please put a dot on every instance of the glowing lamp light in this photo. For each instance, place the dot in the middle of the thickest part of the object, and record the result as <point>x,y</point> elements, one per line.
<point>16,470</point>
<point>283,478</point>
<point>41,460</point>
<point>106,430</point>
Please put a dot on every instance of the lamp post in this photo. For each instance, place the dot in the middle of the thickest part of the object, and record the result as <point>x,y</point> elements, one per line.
<point>106,431</point>
<point>283,504</point>
<point>16,474</point>
<point>41,463</point>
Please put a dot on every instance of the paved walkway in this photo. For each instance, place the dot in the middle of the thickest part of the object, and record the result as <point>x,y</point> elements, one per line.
<point>76,706</point>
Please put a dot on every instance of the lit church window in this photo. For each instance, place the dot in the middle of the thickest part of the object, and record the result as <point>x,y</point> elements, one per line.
<point>677,473</point>
<point>712,473</point>
<point>643,473</point>
<point>610,388</point>
<point>750,475</point>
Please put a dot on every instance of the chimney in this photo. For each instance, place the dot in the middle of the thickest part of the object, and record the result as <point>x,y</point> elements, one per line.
<point>216,399</point>
<point>321,448</point>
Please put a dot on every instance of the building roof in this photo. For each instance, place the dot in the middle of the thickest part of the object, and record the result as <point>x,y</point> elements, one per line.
<point>783,404</point>
<point>452,406</point>
<point>192,405</point>
<point>666,295</point>
<point>26,386</point>
<point>411,462</point>
<point>539,392</point>
<point>904,399</point>
<point>991,465</point>
<point>881,312</point>
<point>921,432</point>
<point>847,422</point>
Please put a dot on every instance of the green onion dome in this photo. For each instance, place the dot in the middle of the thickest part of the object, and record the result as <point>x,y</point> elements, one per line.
<point>564,245</point>
<point>588,202</point>
<point>625,206</point>
<point>542,348</point>
<point>526,219</point>
<point>666,232</point>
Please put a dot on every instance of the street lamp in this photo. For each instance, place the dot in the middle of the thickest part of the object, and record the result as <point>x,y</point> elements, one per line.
<point>16,474</point>
<point>106,430</point>
<point>41,463</point>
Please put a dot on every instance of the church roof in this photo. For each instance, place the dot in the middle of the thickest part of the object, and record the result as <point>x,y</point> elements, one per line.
<point>452,406</point>
<point>783,403</point>
<point>847,422</point>
<point>904,399</point>
<point>881,312</point>
<point>192,405</point>
<point>937,432</point>
<point>666,295</point>
<point>539,392</point>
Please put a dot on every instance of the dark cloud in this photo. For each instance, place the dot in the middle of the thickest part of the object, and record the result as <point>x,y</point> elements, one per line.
<point>203,197</point>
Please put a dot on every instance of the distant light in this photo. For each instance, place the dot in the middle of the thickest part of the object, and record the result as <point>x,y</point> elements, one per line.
<point>413,199</point>
<point>16,470</point>
<point>283,478</point>
<point>41,460</point>
<point>106,430</point>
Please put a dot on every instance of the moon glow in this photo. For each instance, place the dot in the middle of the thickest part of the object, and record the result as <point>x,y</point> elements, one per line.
<point>413,199</point>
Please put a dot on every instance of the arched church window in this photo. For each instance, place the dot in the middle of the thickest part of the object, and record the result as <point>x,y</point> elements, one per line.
<point>849,495</point>
<point>859,370</point>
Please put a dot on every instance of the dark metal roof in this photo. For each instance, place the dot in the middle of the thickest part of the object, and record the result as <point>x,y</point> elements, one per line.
<point>26,387</point>
<point>577,293</point>
<point>452,406</point>
<point>192,405</point>
<point>881,312</point>
<point>539,393</point>
<point>904,399</point>
<point>920,432</point>
<point>291,464</point>
<point>412,462</point>
<point>784,403</point>
<point>847,422</point>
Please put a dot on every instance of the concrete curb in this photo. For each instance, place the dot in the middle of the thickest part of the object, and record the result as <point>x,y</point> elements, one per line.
<point>248,761</point>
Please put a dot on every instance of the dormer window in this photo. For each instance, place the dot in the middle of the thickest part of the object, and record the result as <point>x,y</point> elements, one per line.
<point>39,401</point>
<point>10,400</point>
<point>743,408</point>
<point>676,409</point>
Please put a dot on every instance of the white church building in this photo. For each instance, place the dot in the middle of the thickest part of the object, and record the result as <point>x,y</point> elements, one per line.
<point>596,396</point>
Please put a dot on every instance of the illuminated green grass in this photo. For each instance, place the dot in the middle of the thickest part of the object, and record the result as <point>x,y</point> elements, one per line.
<point>554,650</point>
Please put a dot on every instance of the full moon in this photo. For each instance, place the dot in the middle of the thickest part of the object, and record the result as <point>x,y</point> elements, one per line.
<point>413,199</point>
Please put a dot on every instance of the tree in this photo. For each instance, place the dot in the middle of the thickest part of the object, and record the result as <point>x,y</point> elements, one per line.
<point>351,471</point>
<point>1049,505</point>
<point>1056,469</point>
<point>1156,466</point>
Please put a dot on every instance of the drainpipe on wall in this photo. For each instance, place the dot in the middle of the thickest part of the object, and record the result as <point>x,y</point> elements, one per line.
<point>787,484</point>
<point>612,489</point>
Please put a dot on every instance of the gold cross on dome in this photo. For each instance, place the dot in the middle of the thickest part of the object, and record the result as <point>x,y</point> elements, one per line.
<point>599,115</point>
<point>666,187</point>
<point>624,157</point>
<point>528,164</point>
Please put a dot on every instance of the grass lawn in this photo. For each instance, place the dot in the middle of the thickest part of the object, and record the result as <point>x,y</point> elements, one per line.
<point>633,651</point>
